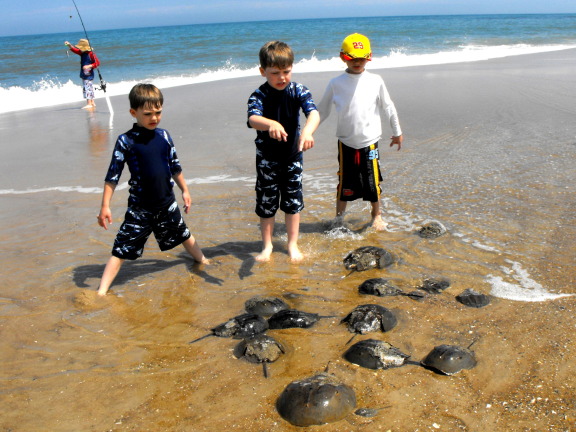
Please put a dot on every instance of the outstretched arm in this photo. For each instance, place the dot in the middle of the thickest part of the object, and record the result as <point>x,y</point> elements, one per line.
<point>275,129</point>
<point>105,215</point>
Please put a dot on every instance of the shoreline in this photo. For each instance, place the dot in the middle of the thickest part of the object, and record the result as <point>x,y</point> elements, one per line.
<point>168,82</point>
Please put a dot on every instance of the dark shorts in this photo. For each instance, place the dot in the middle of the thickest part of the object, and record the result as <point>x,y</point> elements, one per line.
<point>359,173</point>
<point>278,185</point>
<point>167,225</point>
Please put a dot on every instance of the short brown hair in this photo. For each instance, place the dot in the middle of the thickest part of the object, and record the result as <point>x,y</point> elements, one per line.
<point>143,95</point>
<point>276,54</point>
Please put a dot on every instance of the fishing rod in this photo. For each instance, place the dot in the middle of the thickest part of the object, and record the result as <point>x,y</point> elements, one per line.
<point>102,82</point>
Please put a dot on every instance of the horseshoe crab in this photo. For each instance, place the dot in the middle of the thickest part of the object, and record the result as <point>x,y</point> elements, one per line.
<point>265,306</point>
<point>370,317</point>
<point>434,286</point>
<point>432,230</point>
<point>383,288</point>
<point>375,354</point>
<point>259,349</point>
<point>472,298</point>
<point>317,400</point>
<point>292,318</point>
<point>368,257</point>
<point>239,327</point>
<point>449,359</point>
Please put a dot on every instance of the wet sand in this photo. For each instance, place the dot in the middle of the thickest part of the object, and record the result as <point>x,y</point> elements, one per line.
<point>489,152</point>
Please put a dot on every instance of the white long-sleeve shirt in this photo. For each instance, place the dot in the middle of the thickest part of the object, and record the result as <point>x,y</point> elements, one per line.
<point>360,100</point>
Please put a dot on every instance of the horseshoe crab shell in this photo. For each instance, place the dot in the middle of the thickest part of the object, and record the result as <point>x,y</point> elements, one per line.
<point>368,257</point>
<point>291,318</point>
<point>375,354</point>
<point>379,287</point>
<point>316,400</point>
<point>265,306</point>
<point>472,298</point>
<point>370,317</point>
<point>449,359</point>
<point>259,349</point>
<point>239,327</point>
<point>434,286</point>
<point>432,230</point>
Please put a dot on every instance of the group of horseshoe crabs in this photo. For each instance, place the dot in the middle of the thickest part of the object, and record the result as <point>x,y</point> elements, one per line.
<point>323,398</point>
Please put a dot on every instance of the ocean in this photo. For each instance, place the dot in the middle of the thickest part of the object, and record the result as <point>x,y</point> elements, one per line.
<point>37,70</point>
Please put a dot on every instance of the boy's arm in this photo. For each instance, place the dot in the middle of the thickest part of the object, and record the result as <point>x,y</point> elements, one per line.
<point>306,139</point>
<point>105,212</point>
<point>275,129</point>
<point>181,183</point>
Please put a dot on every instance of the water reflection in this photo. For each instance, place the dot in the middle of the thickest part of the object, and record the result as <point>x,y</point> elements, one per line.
<point>98,133</point>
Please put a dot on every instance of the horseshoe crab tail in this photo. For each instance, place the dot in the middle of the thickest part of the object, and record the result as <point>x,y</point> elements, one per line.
<point>265,369</point>
<point>352,338</point>
<point>473,342</point>
<point>200,338</point>
<point>351,271</point>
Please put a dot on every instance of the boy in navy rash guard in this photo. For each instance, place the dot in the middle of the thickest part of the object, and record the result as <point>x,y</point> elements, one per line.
<point>274,111</point>
<point>152,207</point>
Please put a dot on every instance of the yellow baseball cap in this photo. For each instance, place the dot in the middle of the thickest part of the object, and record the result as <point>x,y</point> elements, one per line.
<point>356,46</point>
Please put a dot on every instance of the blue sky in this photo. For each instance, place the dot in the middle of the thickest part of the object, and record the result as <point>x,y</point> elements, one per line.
<point>49,16</point>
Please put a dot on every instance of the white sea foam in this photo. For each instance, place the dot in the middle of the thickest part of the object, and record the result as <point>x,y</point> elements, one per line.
<point>526,289</point>
<point>50,92</point>
<point>98,190</point>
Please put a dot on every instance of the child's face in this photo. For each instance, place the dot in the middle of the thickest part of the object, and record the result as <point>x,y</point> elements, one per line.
<point>356,66</point>
<point>278,78</point>
<point>147,116</point>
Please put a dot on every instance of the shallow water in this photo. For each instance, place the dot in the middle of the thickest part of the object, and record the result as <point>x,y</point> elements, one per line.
<point>498,177</point>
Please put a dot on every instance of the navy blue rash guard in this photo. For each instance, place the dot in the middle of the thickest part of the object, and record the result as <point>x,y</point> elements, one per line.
<point>284,107</point>
<point>152,161</point>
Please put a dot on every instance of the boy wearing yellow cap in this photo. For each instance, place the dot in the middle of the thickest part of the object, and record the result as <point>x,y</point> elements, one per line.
<point>360,98</point>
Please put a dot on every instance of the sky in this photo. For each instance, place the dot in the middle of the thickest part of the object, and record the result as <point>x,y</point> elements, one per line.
<point>23,17</point>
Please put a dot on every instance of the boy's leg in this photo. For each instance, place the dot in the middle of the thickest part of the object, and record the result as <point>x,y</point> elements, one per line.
<point>89,94</point>
<point>191,246</point>
<point>267,229</point>
<point>377,222</point>
<point>292,229</point>
<point>110,271</point>
<point>340,208</point>
<point>170,231</point>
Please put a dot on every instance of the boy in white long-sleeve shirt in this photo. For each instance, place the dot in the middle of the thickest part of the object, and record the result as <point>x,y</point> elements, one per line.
<point>360,99</point>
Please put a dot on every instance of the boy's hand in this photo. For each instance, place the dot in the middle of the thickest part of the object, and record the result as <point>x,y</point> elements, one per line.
<point>187,201</point>
<point>277,132</point>
<point>397,141</point>
<point>104,216</point>
<point>305,142</point>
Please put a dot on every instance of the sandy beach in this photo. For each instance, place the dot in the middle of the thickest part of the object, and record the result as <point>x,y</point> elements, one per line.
<point>489,152</point>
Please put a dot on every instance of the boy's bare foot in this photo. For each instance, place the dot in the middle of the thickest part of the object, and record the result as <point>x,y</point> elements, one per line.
<point>102,292</point>
<point>204,260</point>
<point>265,255</point>
<point>295,255</point>
<point>378,223</point>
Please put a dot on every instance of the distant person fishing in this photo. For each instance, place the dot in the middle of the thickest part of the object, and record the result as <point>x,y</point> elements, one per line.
<point>88,62</point>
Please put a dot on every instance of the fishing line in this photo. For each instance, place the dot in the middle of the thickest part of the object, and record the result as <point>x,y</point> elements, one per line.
<point>102,82</point>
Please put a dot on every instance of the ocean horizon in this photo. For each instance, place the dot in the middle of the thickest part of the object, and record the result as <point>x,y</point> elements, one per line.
<point>187,54</point>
